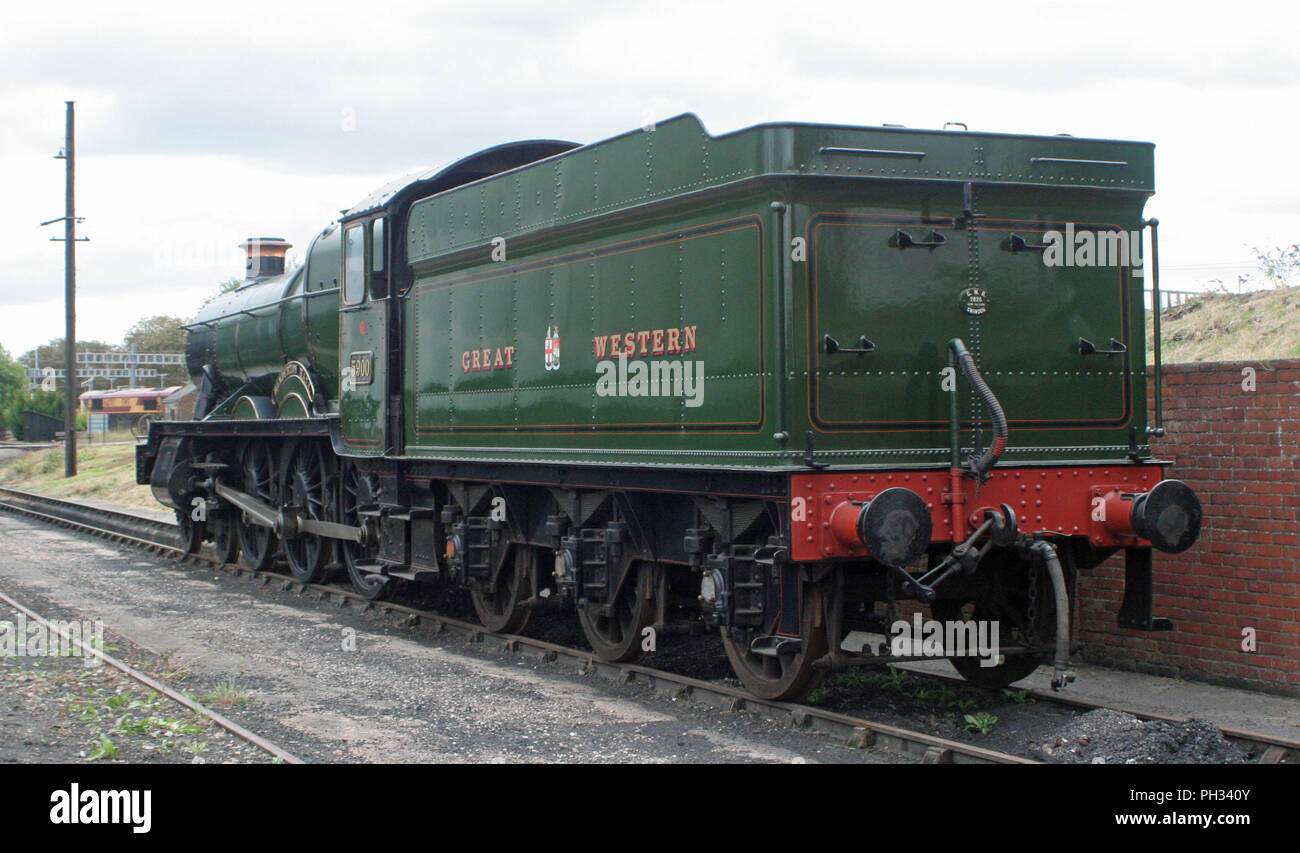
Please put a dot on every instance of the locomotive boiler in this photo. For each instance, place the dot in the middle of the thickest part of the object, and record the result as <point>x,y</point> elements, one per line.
<point>773,384</point>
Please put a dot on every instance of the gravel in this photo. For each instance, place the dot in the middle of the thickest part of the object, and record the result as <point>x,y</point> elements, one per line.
<point>63,708</point>
<point>1113,737</point>
<point>332,684</point>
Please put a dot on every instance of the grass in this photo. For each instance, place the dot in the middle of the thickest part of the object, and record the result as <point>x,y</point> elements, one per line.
<point>227,693</point>
<point>169,666</point>
<point>104,472</point>
<point>126,717</point>
<point>838,689</point>
<point>104,748</point>
<point>1261,324</point>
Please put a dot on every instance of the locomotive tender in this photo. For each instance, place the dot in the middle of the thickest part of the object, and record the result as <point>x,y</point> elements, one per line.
<point>771,383</point>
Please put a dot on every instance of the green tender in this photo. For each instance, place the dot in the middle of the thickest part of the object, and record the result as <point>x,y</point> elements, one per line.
<point>719,265</point>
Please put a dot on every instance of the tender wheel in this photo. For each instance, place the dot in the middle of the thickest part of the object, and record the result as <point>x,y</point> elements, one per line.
<point>258,544</point>
<point>355,491</point>
<point>502,612</point>
<point>787,676</point>
<point>225,535</point>
<point>616,636</point>
<point>307,491</point>
<point>1014,667</point>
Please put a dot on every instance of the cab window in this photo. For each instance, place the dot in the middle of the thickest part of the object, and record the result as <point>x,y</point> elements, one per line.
<point>323,261</point>
<point>377,245</point>
<point>354,264</point>
<point>378,276</point>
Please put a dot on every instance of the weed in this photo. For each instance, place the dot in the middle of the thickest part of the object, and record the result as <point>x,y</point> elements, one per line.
<point>858,678</point>
<point>105,749</point>
<point>227,693</point>
<point>981,722</point>
<point>1020,697</point>
<point>169,667</point>
<point>895,679</point>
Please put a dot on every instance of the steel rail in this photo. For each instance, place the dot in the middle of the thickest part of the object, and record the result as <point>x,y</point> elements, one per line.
<point>153,684</point>
<point>1272,749</point>
<point>856,732</point>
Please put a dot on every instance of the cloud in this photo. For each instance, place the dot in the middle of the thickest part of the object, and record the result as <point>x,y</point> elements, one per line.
<point>201,125</point>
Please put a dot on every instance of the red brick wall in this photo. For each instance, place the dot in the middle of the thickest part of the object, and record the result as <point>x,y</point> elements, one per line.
<point>1240,450</point>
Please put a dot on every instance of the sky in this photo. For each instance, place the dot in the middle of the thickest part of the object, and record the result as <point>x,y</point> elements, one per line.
<point>199,125</point>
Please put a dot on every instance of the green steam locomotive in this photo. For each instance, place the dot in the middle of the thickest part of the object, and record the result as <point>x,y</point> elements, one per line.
<point>769,384</point>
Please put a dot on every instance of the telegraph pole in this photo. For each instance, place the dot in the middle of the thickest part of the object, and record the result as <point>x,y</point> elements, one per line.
<point>70,306</point>
<point>70,240</point>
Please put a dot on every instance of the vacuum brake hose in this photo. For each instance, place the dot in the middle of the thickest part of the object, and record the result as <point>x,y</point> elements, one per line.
<point>985,463</point>
<point>1060,664</point>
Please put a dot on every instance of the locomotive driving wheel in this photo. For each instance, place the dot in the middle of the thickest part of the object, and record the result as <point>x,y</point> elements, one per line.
<point>781,672</point>
<point>358,489</point>
<point>257,544</point>
<point>616,634</point>
<point>189,532</point>
<point>225,535</point>
<point>503,611</point>
<point>307,491</point>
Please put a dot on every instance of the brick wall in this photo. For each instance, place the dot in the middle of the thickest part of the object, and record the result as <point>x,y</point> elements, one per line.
<point>1240,450</point>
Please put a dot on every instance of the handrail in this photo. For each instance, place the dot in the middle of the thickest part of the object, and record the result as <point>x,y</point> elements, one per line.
<point>248,311</point>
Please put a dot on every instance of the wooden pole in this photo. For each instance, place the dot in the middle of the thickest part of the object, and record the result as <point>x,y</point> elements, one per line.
<point>70,297</point>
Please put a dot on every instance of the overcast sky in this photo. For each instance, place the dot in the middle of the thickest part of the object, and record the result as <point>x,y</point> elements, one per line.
<point>199,126</point>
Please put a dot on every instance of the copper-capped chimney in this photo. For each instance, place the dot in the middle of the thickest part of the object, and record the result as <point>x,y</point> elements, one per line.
<point>265,256</point>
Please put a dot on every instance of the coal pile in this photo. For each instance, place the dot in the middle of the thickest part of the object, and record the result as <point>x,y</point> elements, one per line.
<point>1113,737</point>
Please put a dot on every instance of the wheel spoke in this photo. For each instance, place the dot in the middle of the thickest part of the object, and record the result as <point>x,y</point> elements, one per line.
<point>307,552</point>
<point>372,587</point>
<point>616,636</point>
<point>503,611</point>
<point>781,677</point>
<point>257,543</point>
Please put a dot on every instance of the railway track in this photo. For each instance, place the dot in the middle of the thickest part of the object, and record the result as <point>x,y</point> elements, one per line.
<point>157,686</point>
<point>161,537</point>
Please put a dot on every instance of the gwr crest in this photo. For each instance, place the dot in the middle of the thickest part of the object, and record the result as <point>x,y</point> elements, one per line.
<point>552,347</point>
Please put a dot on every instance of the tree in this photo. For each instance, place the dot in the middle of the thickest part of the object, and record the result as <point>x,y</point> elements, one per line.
<point>160,334</point>
<point>156,334</point>
<point>152,334</point>
<point>51,354</point>
<point>225,287</point>
<point>1280,266</point>
<point>13,393</point>
<point>46,402</point>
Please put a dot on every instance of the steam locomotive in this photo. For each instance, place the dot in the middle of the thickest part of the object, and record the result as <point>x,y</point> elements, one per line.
<point>771,384</point>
